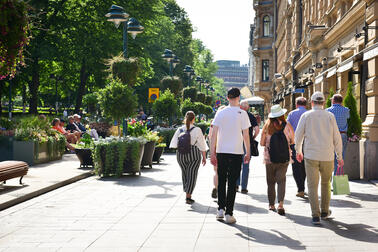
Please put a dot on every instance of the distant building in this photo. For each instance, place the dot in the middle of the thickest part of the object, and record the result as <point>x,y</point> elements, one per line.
<point>232,73</point>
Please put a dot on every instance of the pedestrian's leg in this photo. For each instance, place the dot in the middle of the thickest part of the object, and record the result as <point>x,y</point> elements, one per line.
<point>222,177</point>
<point>312,171</point>
<point>233,173</point>
<point>193,170</point>
<point>302,177</point>
<point>326,168</point>
<point>270,180</point>
<point>344,138</point>
<point>215,178</point>
<point>295,167</point>
<point>281,182</point>
<point>182,164</point>
<point>244,177</point>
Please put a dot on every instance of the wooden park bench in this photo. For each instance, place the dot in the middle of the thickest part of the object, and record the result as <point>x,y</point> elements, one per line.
<point>13,169</point>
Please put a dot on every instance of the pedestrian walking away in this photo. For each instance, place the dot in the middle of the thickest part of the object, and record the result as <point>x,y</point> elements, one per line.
<point>276,137</point>
<point>192,147</point>
<point>342,115</point>
<point>318,129</point>
<point>230,129</point>
<point>299,172</point>
<point>253,132</point>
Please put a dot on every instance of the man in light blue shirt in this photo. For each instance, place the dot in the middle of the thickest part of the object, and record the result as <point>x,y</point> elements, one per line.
<point>341,114</point>
<point>299,172</point>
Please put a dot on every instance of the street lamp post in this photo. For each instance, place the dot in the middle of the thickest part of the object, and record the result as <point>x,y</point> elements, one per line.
<point>199,80</point>
<point>189,72</point>
<point>207,85</point>
<point>117,15</point>
<point>172,60</point>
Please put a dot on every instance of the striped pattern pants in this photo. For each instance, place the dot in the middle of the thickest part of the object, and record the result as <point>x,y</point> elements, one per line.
<point>189,164</point>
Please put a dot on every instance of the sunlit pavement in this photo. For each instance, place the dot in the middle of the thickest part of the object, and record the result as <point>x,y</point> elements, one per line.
<point>148,213</point>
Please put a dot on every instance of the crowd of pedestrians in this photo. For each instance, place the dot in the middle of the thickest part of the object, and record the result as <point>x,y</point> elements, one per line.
<point>310,140</point>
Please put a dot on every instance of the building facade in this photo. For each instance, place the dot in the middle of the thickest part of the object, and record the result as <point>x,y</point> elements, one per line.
<point>232,73</point>
<point>319,45</point>
<point>263,51</point>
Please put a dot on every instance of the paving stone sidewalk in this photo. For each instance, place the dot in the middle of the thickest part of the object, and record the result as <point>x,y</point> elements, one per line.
<point>41,179</point>
<point>148,213</point>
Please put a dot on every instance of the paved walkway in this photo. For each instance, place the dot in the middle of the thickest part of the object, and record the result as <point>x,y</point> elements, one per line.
<point>42,178</point>
<point>148,213</point>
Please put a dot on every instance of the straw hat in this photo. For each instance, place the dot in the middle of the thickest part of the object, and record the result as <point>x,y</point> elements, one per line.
<point>276,111</point>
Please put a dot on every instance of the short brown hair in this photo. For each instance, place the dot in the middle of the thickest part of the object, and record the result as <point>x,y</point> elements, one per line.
<point>337,98</point>
<point>301,101</point>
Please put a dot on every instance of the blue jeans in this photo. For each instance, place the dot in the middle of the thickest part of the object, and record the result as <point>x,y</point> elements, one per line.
<point>244,175</point>
<point>344,137</point>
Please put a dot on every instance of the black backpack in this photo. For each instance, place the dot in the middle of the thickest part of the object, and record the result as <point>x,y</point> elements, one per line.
<point>184,146</point>
<point>279,147</point>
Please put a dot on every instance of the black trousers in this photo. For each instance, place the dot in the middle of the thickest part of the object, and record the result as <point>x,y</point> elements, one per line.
<point>229,166</point>
<point>299,171</point>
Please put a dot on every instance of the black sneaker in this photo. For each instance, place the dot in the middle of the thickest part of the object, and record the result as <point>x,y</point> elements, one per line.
<point>244,191</point>
<point>316,220</point>
<point>325,215</point>
<point>214,193</point>
<point>189,201</point>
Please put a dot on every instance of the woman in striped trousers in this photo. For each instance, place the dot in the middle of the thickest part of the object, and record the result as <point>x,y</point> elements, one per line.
<point>190,162</point>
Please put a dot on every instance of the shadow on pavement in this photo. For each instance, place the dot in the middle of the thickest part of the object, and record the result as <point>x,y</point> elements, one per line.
<point>10,188</point>
<point>267,238</point>
<point>250,209</point>
<point>337,203</point>
<point>363,196</point>
<point>264,198</point>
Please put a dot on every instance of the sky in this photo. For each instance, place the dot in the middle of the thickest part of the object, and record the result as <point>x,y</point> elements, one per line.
<point>223,26</point>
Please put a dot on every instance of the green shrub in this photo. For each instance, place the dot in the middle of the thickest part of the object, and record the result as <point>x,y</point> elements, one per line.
<point>329,99</point>
<point>208,100</point>
<point>166,134</point>
<point>201,97</point>
<point>117,101</point>
<point>165,108</point>
<point>188,105</point>
<point>189,92</point>
<point>91,100</point>
<point>354,121</point>
<point>127,70</point>
<point>203,126</point>
<point>174,84</point>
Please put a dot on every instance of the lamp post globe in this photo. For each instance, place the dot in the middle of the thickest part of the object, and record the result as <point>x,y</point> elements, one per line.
<point>188,70</point>
<point>199,80</point>
<point>175,61</point>
<point>117,15</point>
<point>134,27</point>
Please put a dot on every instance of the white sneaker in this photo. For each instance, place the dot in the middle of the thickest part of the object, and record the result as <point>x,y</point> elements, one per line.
<point>230,219</point>
<point>220,214</point>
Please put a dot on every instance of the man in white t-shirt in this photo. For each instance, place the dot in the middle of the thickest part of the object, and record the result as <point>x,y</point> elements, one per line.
<point>230,129</point>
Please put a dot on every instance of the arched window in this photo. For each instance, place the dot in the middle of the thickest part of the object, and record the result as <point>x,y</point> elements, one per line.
<point>266,26</point>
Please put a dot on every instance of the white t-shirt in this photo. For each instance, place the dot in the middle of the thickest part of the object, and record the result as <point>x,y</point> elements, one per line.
<point>196,138</point>
<point>231,121</point>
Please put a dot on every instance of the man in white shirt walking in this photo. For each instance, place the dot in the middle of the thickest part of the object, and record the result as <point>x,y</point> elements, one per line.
<point>230,129</point>
<point>319,129</point>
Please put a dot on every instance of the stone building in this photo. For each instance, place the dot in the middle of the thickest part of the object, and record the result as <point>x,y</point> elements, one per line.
<point>262,50</point>
<point>323,44</point>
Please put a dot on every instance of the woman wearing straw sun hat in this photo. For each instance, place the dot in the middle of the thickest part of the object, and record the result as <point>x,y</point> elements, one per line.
<point>277,136</point>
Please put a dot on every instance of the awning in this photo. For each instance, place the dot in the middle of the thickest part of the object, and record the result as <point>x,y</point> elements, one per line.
<point>319,78</point>
<point>331,72</point>
<point>373,52</point>
<point>346,65</point>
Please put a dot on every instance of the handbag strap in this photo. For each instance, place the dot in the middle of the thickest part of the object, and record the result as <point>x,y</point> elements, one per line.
<point>340,170</point>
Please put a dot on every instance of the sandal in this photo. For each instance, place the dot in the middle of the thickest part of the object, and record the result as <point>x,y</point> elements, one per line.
<point>272,208</point>
<point>189,201</point>
<point>281,211</point>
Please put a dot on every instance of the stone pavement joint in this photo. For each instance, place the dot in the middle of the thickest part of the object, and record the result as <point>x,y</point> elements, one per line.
<point>148,213</point>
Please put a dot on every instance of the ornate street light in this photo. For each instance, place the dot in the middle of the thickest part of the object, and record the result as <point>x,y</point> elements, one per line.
<point>188,70</point>
<point>199,80</point>
<point>117,15</point>
<point>172,59</point>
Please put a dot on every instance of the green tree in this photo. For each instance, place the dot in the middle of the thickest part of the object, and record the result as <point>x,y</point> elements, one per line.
<point>201,97</point>
<point>188,105</point>
<point>117,101</point>
<point>354,121</point>
<point>127,70</point>
<point>208,100</point>
<point>329,98</point>
<point>165,107</point>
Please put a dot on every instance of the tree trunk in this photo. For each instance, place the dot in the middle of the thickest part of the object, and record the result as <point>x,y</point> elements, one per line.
<point>83,81</point>
<point>33,87</point>
<point>24,98</point>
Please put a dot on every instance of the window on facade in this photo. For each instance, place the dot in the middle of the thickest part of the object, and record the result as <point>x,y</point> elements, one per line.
<point>266,26</point>
<point>265,70</point>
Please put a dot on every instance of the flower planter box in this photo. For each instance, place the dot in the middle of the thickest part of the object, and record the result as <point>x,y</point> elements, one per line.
<point>35,153</point>
<point>157,154</point>
<point>6,148</point>
<point>149,149</point>
<point>133,166</point>
<point>352,160</point>
<point>85,157</point>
